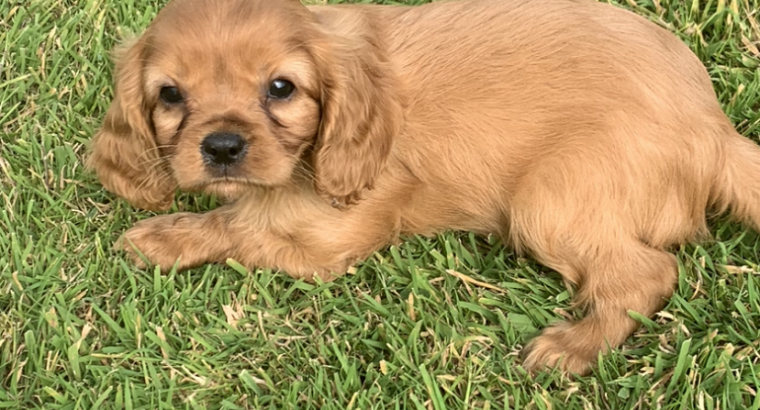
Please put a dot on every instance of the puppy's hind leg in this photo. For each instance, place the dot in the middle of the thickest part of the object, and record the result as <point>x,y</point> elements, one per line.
<point>593,246</point>
<point>613,279</point>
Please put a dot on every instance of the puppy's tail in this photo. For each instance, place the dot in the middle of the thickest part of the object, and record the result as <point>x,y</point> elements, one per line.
<point>738,185</point>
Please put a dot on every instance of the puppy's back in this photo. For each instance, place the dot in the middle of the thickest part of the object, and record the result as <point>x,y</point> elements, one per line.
<point>510,94</point>
<point>540,47</point>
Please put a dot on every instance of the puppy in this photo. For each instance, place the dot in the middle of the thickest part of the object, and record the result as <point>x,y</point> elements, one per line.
<point>580,133</point>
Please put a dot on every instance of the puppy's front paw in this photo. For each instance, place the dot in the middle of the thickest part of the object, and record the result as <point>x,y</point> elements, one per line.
<point>164,240</point>
<point>562,347</point>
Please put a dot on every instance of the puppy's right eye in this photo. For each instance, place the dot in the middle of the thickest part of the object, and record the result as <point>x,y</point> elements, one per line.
<point>171,95</point>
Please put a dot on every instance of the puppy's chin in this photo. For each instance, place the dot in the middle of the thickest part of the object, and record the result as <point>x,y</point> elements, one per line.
<point>227,191</point>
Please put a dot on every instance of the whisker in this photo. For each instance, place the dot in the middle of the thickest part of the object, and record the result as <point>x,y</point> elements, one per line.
<point>156,149</point>
<point>151,162</point>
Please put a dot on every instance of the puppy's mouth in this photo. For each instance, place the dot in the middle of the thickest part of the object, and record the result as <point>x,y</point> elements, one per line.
<point>226,173</point>
<point>226,187</point>
<point>226,181</point>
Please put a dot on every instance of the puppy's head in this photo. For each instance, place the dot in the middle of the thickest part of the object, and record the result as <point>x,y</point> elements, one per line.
<point>219,96</point>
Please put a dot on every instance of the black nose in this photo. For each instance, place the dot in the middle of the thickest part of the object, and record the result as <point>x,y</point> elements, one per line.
<point>223,148</point>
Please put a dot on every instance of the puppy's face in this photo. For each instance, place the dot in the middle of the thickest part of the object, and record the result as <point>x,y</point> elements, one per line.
<point>231,106</point>
<point>220,96</point>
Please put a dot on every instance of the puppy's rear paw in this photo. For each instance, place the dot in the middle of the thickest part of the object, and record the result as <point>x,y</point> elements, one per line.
<point>562,347</point>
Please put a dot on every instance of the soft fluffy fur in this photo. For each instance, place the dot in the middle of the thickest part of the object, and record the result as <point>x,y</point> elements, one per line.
<point>582,134</point>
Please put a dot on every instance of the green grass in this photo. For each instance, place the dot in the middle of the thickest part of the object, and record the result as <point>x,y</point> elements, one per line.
<point>81,328</point>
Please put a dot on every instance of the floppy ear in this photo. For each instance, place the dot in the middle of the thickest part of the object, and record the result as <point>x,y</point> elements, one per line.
<point>361,111</point>
<point>124,153</point>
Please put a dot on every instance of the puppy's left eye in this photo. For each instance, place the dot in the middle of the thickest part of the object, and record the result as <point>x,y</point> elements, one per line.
<point>281,89</point>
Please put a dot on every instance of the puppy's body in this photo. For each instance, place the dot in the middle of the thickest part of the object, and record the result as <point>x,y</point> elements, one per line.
<point>559,92</point>
<point>581,133</point>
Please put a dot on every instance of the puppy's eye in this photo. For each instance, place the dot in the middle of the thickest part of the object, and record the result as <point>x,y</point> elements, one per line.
<point>281,89</point>
<point>171,95</point>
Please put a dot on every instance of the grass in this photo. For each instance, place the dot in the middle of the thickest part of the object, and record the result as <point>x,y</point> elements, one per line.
<point>80,328</point>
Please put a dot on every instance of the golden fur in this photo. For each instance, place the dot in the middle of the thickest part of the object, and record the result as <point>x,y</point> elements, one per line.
<point>581,133</point>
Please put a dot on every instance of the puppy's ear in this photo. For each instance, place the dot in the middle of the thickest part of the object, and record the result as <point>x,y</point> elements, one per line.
<point>361,110</point>
<point>124,153</point>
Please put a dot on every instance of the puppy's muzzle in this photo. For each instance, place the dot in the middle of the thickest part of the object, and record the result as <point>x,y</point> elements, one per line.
<point>223,149</point>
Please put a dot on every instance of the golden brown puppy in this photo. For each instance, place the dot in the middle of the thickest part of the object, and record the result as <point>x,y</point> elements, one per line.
<point>582,134</point>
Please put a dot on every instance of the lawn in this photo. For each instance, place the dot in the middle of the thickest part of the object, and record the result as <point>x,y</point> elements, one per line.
<point>432,324</point>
